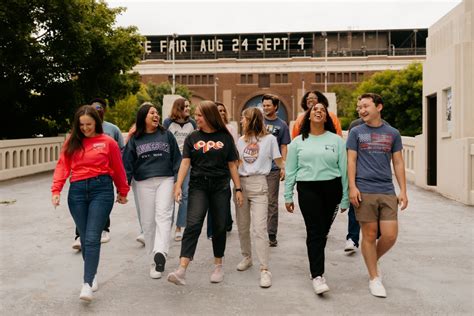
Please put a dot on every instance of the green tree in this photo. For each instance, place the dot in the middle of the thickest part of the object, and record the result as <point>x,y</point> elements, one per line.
<point>56,55</point>
<point>154,93</point>
<point>346,108</point>
<point>402,93</point>
<point>125,110</point>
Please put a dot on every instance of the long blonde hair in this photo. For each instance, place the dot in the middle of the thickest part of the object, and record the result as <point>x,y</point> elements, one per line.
<point>255,124</point>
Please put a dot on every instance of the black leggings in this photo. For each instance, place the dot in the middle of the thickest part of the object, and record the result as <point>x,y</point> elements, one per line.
<point>319,202</point>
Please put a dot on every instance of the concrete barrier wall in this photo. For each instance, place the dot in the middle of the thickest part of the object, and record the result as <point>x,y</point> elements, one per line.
<point>21,157</point>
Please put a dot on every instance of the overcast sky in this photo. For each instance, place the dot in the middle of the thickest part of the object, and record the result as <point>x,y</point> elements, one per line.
<point>160,17</point>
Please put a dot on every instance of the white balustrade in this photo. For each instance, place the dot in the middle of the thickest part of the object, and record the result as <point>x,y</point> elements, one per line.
<point>21,157</point>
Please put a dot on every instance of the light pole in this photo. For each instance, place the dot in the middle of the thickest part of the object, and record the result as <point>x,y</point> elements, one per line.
<point>326,64</point>
<point>215,88</point>
<point>173,87</point>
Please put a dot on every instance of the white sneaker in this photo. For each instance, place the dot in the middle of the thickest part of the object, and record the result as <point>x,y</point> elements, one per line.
<point>76,245</point>
<point>141,239</point>
<point>319,285</point>
<point>376,288</point>
<point>244,264</point>
<point>86,293</point>
<point>350,247</point>
<point>153,273</point>
<point>105,237</point>
<point>178,236</point>
<point>95,285</point>
<point>265,279</point>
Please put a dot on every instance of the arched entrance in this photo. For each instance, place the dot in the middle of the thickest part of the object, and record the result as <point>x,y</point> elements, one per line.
<point>256,101</point>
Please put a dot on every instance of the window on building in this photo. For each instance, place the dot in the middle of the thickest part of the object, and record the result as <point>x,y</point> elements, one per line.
<point>277,78</point>
<point>211,79</point>
<point>332,77</point>
<point>339,77</point>
<point>204,79</point>
<point>353,77</point>
<point>264,81</point>
<point>246,78</point>
<point>284,78</point>
<point>197,79</point>
<point>184,80</point>
<point>191,80</point>
<point>319,77</point>
<point>360,76</point>
<point>346,77</point>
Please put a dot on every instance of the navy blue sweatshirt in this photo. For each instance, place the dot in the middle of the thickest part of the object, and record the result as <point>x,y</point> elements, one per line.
<point>151,155</point>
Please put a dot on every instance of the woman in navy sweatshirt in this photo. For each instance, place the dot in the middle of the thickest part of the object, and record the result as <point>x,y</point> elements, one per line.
<point>152,158</point>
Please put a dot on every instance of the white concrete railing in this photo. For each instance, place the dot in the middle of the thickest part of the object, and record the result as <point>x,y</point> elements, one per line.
<point>409,149</point>
<point>21,157</point>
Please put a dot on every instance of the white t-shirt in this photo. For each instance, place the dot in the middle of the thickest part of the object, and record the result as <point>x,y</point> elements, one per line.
<point>256,156</point>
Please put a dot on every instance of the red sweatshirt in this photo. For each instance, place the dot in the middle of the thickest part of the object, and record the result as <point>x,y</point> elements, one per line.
<point>101,156</point>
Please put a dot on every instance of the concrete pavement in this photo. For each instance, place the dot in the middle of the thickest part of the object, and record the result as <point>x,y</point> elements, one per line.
<point>429,271</point>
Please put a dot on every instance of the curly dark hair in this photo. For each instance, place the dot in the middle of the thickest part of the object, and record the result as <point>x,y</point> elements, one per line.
<point>306,125</point>
<point>321,98</point>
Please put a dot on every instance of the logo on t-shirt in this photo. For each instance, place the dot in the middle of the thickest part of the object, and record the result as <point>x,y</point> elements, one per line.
<point>376,142</point>
<point>330,147</point>
<point>98,146</point>
<point>250,153</point>
<point>273,129</point>
<point>206,146</point>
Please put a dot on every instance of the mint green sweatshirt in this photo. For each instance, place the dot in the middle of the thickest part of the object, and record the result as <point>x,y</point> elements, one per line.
<point>317,158</point>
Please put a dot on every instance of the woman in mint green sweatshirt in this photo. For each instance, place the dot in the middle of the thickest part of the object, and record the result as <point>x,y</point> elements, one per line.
<point>317,163</point>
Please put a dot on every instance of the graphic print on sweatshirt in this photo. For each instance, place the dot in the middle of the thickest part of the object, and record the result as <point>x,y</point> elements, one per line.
<point>376,143</point>
<point>250,153</point>
<point>154,149</point>
<point>207,146</point>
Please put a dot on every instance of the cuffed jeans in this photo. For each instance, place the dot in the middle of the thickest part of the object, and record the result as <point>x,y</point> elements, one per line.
<point>156,208</point>
<point>254,209</point>
<point>353,228</point>
<point>183,207</point>
<point>273,180</point>
<point>206,193</point>
<point>319,202</point>
<point>90,203</point>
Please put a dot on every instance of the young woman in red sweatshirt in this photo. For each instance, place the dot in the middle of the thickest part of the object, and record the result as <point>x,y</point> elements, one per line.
<point>93,161</point>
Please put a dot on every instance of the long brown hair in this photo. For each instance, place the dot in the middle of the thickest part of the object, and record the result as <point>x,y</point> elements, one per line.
<point>255,124</point>
<point>177,109</point>
<point>225,119</point>
<point>74,142</point>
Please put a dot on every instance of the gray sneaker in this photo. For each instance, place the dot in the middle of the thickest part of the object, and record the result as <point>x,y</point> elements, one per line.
<point>217,275</point>
<point>178,277</point>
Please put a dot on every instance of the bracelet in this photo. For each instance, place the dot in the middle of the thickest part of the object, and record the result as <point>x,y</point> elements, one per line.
<point>238,189</point>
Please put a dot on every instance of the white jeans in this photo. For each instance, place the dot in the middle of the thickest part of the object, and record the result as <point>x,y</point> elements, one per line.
<point>156,213</point>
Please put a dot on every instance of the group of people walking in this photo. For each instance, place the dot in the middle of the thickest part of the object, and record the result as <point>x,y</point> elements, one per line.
<point>193,162</point>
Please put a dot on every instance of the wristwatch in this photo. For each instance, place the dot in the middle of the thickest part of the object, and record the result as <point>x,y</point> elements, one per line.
<point>238,189</point>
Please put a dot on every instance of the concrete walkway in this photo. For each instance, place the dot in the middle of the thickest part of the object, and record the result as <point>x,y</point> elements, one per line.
<point>429,271</point>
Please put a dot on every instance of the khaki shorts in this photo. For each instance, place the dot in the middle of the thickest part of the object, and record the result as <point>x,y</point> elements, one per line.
<point>375,207</point>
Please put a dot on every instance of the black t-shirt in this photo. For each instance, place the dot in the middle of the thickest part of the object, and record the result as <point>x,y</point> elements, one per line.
<point>210,153</point>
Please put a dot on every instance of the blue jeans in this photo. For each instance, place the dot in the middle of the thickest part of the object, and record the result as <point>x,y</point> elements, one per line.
<point>353,228</point>
<point>183,207</point>
<point>90,203</point>
<point>207,195</point>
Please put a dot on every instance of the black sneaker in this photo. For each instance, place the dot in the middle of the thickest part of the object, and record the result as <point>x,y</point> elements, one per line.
<point>273,241</point>
<point>160,262</point>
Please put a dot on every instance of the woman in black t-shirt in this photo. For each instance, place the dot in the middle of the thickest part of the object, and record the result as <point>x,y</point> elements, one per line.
<point>212,154</point>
